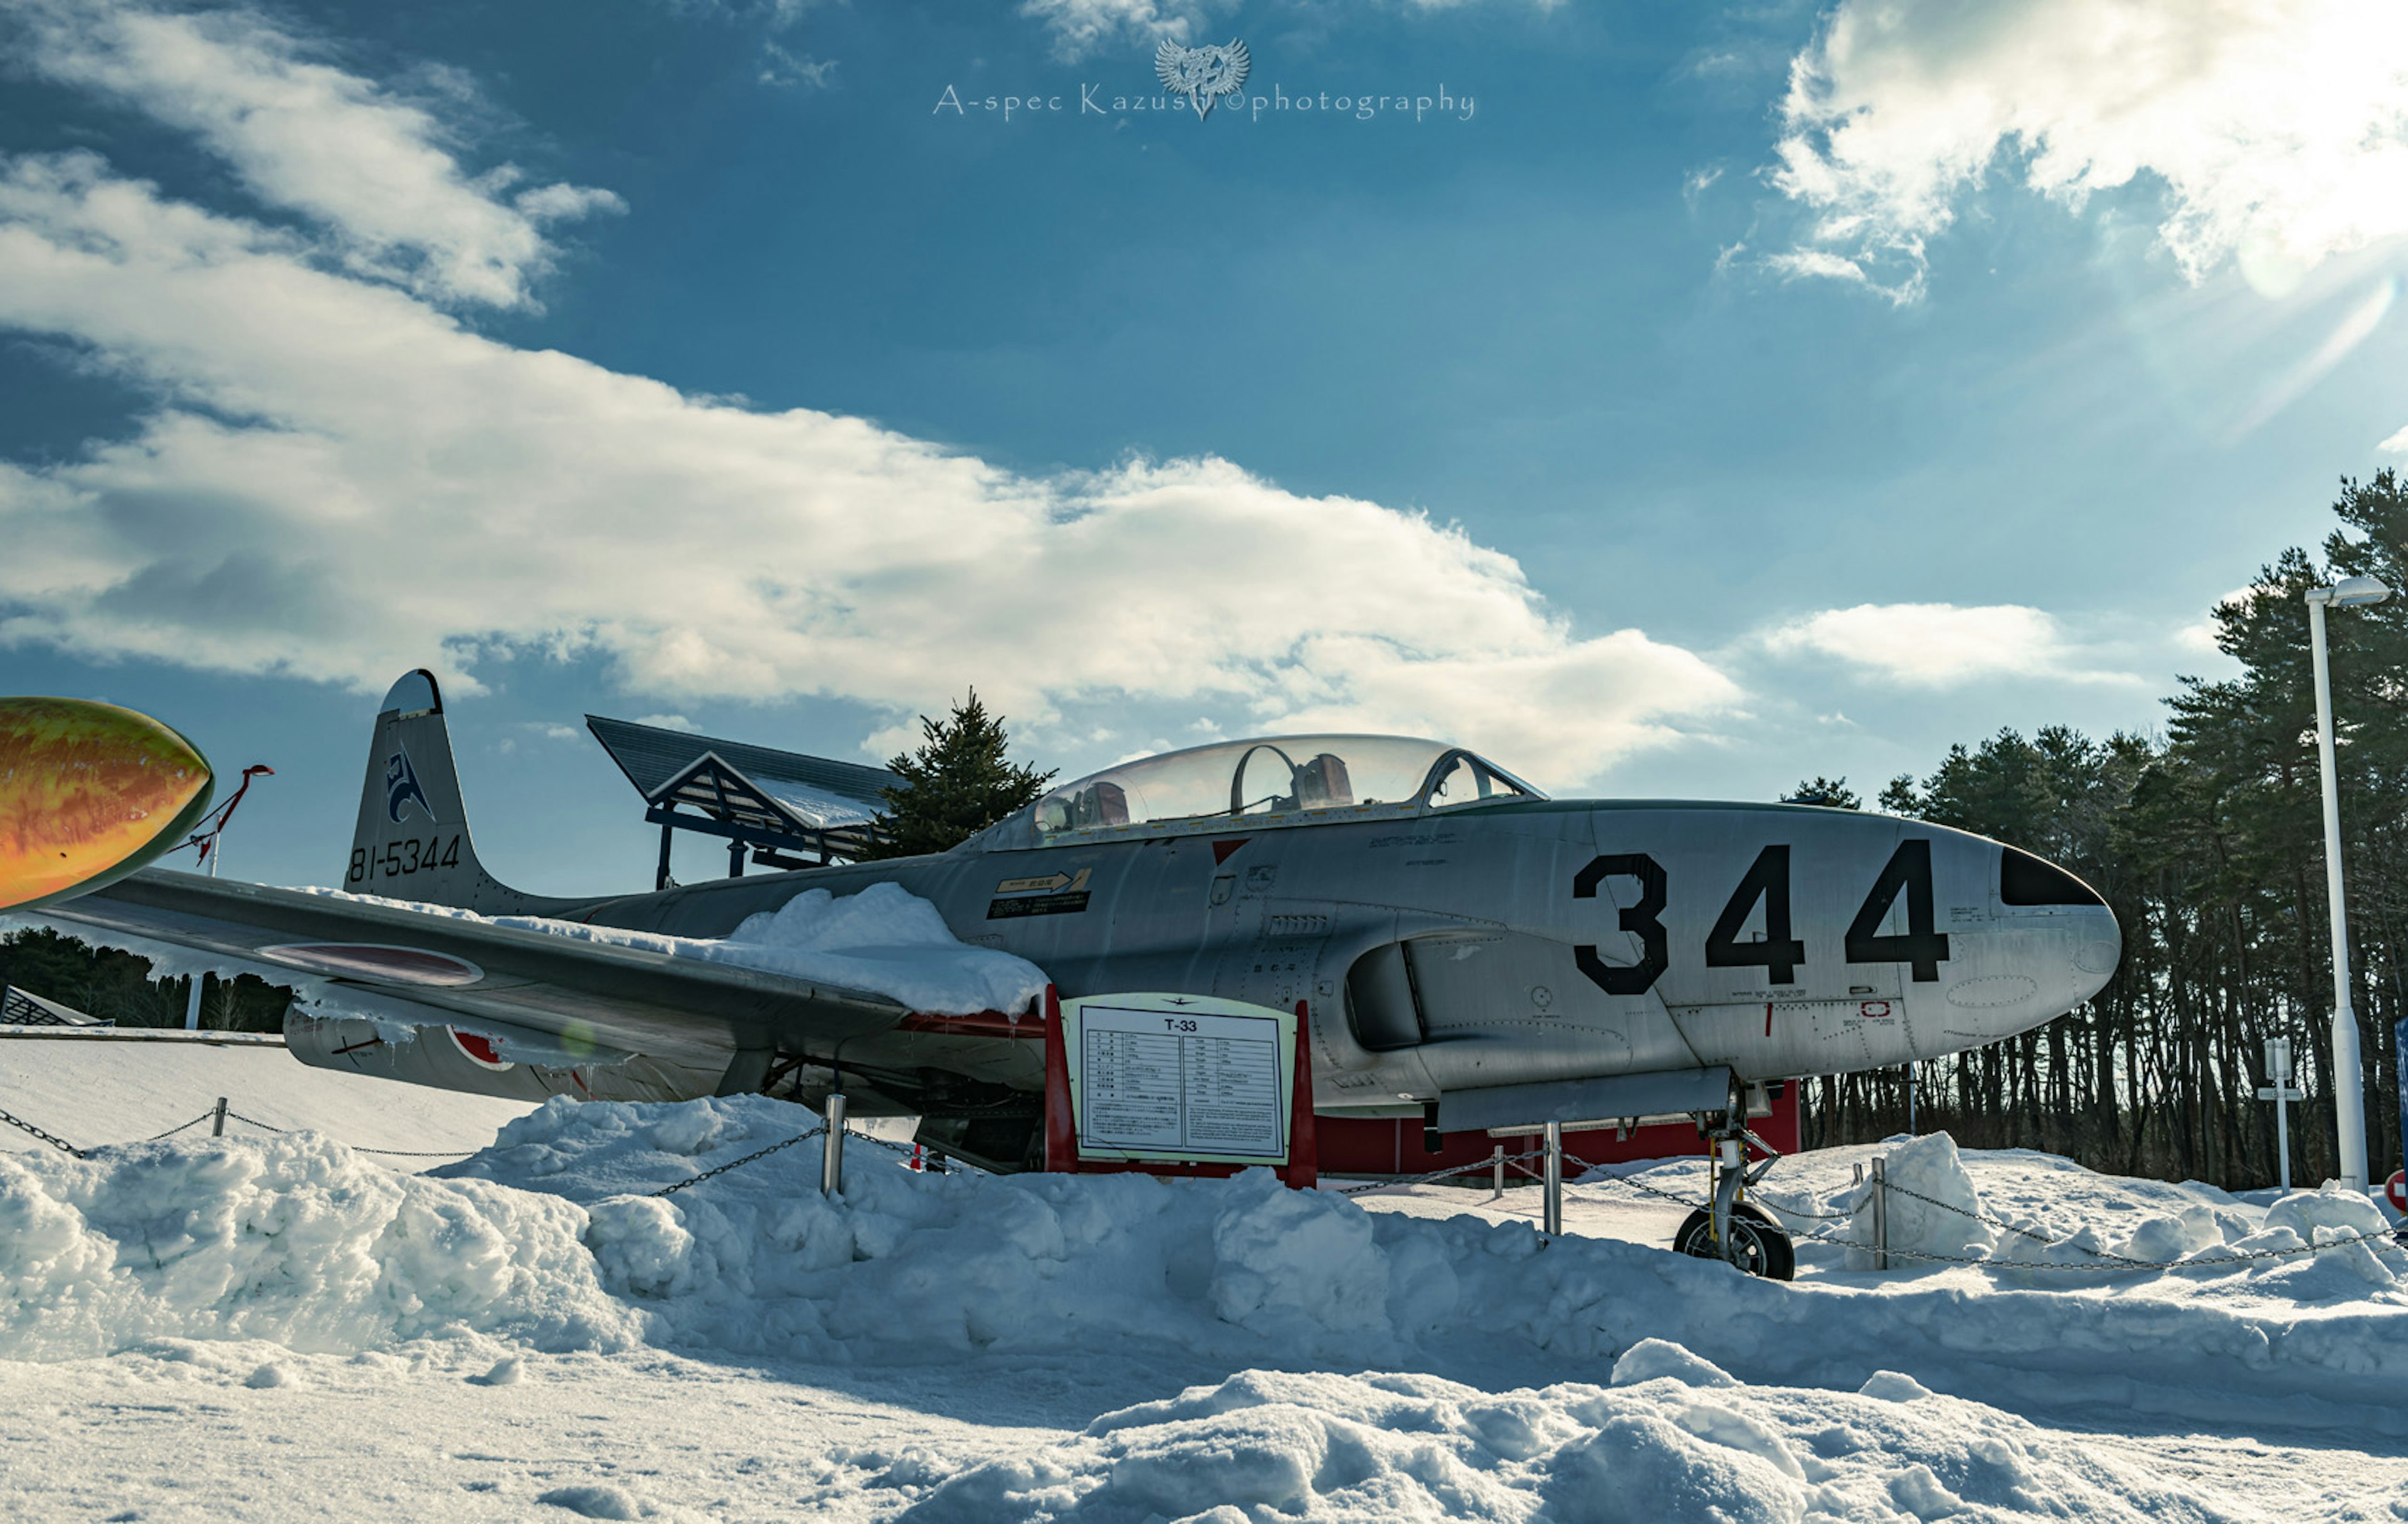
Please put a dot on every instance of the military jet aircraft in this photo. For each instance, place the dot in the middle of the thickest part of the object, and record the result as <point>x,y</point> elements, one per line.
<point>1466,947</point>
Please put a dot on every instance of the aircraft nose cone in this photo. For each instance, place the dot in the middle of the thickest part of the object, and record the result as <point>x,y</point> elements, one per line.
<point>2098,947</point>
<point>2058,947</point>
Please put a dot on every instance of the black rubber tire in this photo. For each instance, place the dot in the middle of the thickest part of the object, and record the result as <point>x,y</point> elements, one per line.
<point>1764,1248</point>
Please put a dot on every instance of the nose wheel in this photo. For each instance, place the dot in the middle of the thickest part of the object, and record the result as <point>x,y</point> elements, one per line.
<point>1733,1230</point>
<point>1755,1242</point>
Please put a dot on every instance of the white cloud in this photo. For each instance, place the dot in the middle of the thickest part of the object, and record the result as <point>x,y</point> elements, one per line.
<point>373,167</point>
<point>669,722</point>
<point>782,66</point>
<point>1081,27</point>
<point>1942,645</point>
<point>2278,129</point>
<point>340,481</point>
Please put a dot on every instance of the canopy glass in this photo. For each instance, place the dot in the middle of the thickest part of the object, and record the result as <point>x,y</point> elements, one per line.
<point>1283,780</point>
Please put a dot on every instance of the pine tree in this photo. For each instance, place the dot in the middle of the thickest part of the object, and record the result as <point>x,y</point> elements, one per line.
<point>955,785</point>
<point>1829,793</point>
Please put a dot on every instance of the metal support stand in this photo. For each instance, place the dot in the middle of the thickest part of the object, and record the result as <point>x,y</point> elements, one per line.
<point>1881,1215</point>
<point>832,1149</point>
<point>1553,1218</point>
<point>735,859</point>
<point>1730,1175</point>
<point>661,877</point>
<point>217,1120</point>
<point>192,1006</point>
<point>1496,1164</point>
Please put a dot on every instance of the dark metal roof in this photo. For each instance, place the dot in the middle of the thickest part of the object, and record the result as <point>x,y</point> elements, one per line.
<point>654,757</point>
<point>21,1009</point>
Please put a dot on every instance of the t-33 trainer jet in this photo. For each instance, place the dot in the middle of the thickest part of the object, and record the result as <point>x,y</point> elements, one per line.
<point>1465,948</point>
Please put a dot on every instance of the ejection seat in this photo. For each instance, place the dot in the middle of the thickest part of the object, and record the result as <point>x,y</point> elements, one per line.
<point>1321,783</point>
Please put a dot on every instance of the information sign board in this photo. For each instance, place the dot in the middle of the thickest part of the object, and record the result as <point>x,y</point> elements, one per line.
<point>1180,1078</point>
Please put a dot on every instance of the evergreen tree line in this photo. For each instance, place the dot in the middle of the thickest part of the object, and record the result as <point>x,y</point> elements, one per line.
<point>117,986</point>
<point>2207,840</point>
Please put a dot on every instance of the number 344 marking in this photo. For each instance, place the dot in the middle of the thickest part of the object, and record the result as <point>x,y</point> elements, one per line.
<point>1923,947</point>
<point>403,857</point>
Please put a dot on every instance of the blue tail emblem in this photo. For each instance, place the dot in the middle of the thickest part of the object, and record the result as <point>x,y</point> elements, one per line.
<point>401,788</point>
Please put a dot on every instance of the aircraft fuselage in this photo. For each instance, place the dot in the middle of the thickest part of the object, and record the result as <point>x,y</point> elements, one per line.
<point>1517,941</point>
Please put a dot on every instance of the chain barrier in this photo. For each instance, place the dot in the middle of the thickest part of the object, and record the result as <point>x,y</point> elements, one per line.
<point>1642,1185</point>
<point>737,1163</point>
<point>58,1143</point>
<point>2120,1264</point>
<point>390,1153</point>
<point>2034,1235</point>
<point>2031,1233</point>
<point>1486,1164</point>
<point>1801,1213</point>
<point>231,1116</point>
<point>900,1150</point>
<point>2111,1263</point>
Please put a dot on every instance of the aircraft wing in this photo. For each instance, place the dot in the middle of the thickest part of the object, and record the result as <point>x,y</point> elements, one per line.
<point>681,1010</point>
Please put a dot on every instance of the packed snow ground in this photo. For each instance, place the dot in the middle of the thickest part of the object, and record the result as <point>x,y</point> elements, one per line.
<point>281,1328</point>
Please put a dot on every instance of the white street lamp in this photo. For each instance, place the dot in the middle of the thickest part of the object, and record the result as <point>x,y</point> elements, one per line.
<point>2349,1093</point>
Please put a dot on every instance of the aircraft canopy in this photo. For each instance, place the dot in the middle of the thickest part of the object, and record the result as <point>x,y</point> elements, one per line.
<point>1280,781</point>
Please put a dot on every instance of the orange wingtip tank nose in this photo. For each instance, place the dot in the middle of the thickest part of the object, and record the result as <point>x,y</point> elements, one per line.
<point>89,792</point>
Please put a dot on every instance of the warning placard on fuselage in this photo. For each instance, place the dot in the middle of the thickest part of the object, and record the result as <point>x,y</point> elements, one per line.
<point>1180,1078</point>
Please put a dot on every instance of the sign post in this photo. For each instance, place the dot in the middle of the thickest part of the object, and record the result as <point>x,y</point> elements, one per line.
<point>1172,1084</point>
<point>2278,1090</point>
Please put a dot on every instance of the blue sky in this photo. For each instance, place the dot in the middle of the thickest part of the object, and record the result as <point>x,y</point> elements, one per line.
<point>1740,393</point>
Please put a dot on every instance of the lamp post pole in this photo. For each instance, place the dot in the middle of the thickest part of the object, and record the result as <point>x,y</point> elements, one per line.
<point>2349,1091</point>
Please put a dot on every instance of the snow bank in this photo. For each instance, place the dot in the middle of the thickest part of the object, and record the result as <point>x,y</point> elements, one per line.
<point>1689,1446</point>
<point>1933,1207</point>
<point>884,940</point>
<point>2130,1229</point>
<point>296,1240</point>
<point>547,1241</point>
<point>905,1268</point>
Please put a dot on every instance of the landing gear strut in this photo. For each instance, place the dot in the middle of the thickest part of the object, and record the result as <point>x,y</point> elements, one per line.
<point>1733,1230</point>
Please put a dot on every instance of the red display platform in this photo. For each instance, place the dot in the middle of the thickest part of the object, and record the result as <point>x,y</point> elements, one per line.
<point>1348,1145</point>
<point>1062,1138</point>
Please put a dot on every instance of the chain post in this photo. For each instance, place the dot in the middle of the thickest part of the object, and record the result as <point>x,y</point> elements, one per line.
<point>832,1151</point>
<point>1496,1164</point>
<point>1880,1214</point>
<point>217,1119</point>
<point>1554,1182</point>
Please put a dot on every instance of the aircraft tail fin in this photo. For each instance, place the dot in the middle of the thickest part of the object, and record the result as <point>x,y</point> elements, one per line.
<point>412,841</point>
